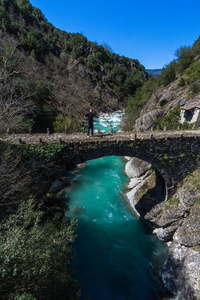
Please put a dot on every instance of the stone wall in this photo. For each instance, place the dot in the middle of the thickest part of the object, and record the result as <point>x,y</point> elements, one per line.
<point>172,154</point>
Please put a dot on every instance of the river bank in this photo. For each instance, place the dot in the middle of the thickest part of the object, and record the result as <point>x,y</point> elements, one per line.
<point>176,222</point>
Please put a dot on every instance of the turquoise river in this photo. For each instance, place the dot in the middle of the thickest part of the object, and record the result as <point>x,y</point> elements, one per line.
<point>117,257</point>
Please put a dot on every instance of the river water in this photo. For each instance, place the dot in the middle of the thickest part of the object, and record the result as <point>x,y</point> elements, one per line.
<point>117,256</point>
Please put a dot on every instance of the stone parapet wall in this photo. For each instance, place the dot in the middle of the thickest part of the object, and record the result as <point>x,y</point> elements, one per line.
<point>62,137</point>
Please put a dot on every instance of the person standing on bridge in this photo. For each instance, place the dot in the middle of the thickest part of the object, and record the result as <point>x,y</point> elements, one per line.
<point>90,116</point>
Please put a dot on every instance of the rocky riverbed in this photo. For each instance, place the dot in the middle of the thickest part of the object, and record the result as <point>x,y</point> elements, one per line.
<point>175,221</point>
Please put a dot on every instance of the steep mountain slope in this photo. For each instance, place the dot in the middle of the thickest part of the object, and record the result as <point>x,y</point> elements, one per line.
<point>156,105</point>
<point>57,72</point>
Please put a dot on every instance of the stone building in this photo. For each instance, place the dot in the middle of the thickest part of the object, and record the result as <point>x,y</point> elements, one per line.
<point>190,111</point>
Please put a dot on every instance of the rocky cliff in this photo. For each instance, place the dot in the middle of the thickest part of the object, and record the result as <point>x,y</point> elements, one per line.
<point>175,222</point>
<point>160,103</point>
<point>172,104</point>
<point>157,105</point>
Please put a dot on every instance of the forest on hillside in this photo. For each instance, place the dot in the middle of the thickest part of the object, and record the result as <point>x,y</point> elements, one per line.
<point>49,77</point>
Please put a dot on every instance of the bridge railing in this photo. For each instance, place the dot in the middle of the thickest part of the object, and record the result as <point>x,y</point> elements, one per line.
<point>39,138</point>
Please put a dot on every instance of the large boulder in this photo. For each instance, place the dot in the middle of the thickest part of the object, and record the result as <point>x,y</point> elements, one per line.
<point>146,121</point>
<point>136,167</point>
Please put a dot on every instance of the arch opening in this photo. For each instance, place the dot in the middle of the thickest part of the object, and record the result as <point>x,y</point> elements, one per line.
<point>156,193</point>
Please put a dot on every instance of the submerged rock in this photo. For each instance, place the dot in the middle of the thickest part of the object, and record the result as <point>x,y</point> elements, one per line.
<point>78,210</point>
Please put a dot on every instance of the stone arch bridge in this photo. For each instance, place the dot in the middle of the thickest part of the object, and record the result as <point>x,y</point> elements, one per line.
<point>172,154</point>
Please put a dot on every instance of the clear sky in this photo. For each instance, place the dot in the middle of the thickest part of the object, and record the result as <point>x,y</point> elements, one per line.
<point>148,30</point>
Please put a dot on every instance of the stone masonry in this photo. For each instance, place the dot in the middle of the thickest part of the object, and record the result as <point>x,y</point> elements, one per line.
<point>172,154</point>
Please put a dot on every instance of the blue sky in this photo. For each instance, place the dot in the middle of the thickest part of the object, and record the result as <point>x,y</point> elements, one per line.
<point>148,30</point>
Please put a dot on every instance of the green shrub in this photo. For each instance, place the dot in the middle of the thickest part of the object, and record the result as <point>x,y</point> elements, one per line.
<point>193,74</point>
<point>62,124</point>
<point>196,47</point>
<point>195,86</point>
<point>182,82</point>
<point>136,103</point>
<point>185,57</point>
<point>35,254</point>
<point>170,121</point>
<point>4,20</point>
<point>23,296</point>
<point>168,74</point>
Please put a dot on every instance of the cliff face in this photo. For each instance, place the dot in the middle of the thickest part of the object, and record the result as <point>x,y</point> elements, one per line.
<point>178,222</point>
<point>175,222</point>
<point>160,100</point>
<point>160,104</point>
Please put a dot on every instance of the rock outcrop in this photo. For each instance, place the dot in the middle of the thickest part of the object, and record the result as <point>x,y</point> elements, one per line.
<point>136,167</point>
<point>175,222</point>
<point>180,272</point>
<point>159,105</point>
<point>146,121</point>
<point>138,171</point>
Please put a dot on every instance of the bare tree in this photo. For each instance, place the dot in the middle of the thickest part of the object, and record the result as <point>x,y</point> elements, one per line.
<point>23,175</point>
<point>14,102</point>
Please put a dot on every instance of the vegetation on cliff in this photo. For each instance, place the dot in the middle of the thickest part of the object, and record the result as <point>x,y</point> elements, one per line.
<point>25,171</point>
<point>185,71</point>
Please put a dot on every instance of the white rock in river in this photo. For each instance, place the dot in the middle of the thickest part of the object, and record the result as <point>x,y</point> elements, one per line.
<point>133,182</point>
<point>136,167</point>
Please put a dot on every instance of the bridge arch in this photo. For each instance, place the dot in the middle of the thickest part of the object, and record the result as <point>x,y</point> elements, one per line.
<point>163,178</point>
<point>162,183</point>
<point>171,157</point>
<point>172,154</point>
